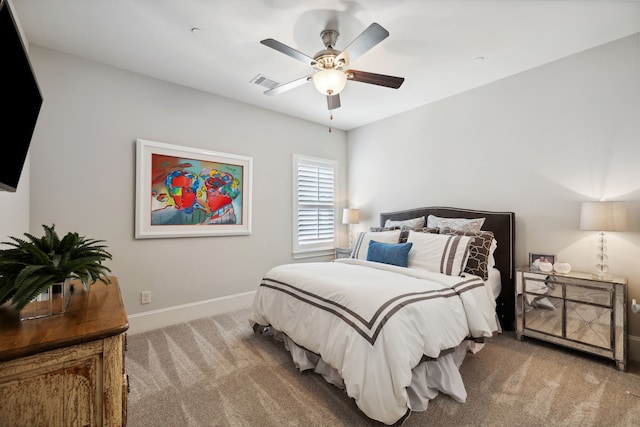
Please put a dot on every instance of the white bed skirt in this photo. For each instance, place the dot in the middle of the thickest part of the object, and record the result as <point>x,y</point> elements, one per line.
<point>428,378</point>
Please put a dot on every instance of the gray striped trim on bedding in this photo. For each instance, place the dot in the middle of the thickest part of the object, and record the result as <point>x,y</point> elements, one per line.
<point>439,253</point>
<point>452,260</point>
<point>369,329</point>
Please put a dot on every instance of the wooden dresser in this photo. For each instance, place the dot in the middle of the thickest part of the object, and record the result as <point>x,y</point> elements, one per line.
<point>67,369</point>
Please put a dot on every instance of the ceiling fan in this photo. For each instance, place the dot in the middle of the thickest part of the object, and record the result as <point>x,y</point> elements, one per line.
<point>329,64</point>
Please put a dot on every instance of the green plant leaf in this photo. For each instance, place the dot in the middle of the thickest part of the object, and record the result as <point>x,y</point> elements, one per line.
<point>6,292</point>
<point>27,272</point>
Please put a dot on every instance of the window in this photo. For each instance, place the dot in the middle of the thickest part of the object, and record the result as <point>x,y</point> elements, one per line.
<point>314,209</point>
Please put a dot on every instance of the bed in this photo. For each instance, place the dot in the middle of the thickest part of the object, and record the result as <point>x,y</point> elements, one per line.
<point>391,325</point>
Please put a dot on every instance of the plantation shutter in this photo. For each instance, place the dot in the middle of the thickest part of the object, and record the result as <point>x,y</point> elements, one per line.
<point>315,205</point>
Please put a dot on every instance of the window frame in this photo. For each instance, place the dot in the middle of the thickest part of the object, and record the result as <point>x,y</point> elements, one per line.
<point>313,249</point>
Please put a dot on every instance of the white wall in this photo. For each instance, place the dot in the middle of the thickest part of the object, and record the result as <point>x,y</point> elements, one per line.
<point>83,179</point>
<point>14,208</point>
<point>537,143</point>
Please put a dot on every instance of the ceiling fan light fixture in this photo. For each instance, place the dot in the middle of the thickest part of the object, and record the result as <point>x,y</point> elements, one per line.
<point>329,76</point>
<point>329,82</point>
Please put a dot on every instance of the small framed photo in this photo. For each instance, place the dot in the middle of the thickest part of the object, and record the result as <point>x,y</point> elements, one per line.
<point>536,258</point>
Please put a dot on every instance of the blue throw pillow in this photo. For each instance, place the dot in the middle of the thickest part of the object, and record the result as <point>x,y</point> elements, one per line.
<point>389,253</point>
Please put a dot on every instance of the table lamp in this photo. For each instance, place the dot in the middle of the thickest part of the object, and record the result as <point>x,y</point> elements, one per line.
<point>603,216</point>
<point>350,216</point>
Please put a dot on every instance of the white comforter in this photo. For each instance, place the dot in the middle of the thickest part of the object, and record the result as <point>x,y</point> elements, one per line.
<point>373,322</point>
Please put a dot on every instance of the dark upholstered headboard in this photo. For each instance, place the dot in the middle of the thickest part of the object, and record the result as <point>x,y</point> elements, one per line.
<point>503,226</point>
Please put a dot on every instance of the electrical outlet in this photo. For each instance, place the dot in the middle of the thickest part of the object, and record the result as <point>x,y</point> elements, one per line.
<point>145,297</point>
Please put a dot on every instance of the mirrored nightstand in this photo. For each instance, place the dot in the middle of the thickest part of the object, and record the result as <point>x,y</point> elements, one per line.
<point>576,310</point>
<point>342,253</point>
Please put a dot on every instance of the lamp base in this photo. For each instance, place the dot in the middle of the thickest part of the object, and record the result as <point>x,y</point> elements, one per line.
<point>350,237</point>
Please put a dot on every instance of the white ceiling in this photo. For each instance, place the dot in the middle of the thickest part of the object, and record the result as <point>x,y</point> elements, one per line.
<point>432,44</point>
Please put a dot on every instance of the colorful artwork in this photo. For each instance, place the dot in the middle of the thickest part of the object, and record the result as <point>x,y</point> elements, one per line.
<point>184,192</point>
<point>190,191</point>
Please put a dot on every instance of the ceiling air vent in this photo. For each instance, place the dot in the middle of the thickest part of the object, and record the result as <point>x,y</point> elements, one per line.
<point>265,81</point>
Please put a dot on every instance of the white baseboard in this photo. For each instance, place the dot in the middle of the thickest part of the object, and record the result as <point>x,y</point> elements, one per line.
<point>633,349</point>
<point>149,320</point>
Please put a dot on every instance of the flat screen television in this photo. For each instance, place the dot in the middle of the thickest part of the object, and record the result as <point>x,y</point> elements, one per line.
<point>21,100</point>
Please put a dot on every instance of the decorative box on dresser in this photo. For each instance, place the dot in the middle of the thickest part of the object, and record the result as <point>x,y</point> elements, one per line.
<point>577,310</point>
<point>66,369</point>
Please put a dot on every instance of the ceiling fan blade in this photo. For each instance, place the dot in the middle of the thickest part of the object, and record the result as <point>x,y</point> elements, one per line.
<point>370,37</point>
<point>283,48</point>
<point>288,86</point>
<point>333,101</point>
<point>375,79</point>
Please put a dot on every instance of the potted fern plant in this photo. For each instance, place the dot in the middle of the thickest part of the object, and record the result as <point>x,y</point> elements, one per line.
<point>35,267</point>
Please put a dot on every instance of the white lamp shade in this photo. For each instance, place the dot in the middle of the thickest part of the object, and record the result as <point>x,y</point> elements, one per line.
<point>350,216</point>
<point>603,216</point>
<point>329,82</point>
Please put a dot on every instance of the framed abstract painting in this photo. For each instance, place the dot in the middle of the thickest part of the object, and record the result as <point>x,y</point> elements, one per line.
<point>191,192</point>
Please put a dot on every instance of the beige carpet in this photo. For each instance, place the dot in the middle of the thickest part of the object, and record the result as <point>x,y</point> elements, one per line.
<point>216,372</point>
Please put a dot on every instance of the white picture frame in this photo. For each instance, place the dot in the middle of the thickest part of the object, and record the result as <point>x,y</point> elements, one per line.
<point>191,192</point>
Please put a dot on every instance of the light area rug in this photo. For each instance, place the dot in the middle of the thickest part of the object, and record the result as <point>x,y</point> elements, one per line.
<point>216,372</point>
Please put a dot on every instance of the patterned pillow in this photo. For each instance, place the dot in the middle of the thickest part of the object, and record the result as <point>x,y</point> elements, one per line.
<point>413,223</point>
<point>361,246</point>
<point>439,253</point>
<point>378,229</point>
<point>405,232</point>
<point>479,251</point>
<point>435,230</point>
<point>389,253</point>
<point>462,224</point>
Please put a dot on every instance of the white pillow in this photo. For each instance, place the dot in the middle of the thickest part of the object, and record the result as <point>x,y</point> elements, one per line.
<point>361,246</point>
<point>413,223</point>
<point>461,224</point>
<point>439,253</point>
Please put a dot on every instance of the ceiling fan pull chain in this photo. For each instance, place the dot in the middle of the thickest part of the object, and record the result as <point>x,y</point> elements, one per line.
<point>330,118</point>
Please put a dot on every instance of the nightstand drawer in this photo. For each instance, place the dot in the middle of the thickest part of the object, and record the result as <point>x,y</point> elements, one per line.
<point>601,297</point>
<point>541,284</point>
